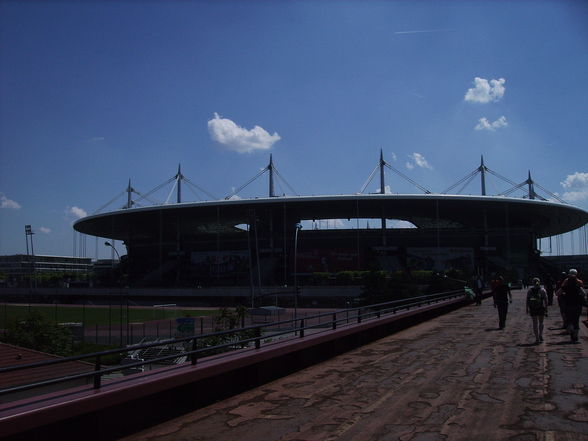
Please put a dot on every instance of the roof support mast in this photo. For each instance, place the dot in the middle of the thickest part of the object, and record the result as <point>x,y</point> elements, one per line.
<point>270,168</point>
<point>482,170</point>
<point>531,187</point>
<point>382,191</point>
<point>129,195</point>
<point>179,178</point>
<point>382,164</point>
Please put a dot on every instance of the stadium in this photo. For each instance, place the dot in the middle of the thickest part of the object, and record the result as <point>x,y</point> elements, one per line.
<point>279,241</point>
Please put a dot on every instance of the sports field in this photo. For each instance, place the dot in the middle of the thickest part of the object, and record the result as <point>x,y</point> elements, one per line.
<point>91,315</point>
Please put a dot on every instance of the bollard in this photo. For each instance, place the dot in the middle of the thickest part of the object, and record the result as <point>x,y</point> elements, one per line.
<point>334,321</point>
<point>301,328</point>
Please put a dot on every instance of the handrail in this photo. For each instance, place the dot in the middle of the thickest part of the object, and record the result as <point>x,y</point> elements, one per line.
<point>298,326</point>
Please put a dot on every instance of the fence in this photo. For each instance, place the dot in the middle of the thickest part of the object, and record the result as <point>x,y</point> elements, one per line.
<point>196,347</point>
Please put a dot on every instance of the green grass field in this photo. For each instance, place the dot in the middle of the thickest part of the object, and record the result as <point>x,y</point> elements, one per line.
<point>92,315</point>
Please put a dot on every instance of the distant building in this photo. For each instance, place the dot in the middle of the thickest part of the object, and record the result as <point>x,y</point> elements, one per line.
<point>18,269</point>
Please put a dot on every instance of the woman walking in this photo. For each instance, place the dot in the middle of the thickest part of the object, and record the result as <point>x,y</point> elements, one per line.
<point>537,307</point>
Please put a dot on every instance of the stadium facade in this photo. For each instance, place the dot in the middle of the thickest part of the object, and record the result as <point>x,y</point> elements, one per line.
<point>260,242</point>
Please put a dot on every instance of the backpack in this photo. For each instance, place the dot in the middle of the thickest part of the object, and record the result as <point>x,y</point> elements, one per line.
<point>573,293</point>
<point>536,302</point>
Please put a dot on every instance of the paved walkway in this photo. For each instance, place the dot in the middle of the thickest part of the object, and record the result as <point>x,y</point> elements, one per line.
<point>455,378</point>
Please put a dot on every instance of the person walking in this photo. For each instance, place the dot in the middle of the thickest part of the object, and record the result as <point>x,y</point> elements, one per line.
<point>502,295</point>
<point>549,289</point>
<point>478,289</point>
<point>561,300</point>
<point>537,303</point>
<point>572,291</point>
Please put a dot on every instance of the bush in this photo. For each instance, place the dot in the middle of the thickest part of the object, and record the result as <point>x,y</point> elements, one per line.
<point>38,333</point>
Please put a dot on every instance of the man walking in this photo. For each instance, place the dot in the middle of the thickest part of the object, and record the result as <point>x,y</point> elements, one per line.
<point>502,296</point>
<point>572,291</point>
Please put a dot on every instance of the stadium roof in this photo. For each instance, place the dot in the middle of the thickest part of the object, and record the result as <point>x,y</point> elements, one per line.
<point>545,218</point>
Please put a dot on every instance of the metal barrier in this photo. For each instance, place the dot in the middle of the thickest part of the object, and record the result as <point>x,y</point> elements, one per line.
<point>243,339</point>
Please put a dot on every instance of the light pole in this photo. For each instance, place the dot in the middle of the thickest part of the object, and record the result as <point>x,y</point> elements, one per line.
<point>29,233</point>
<point>298,228</point>
<point>108,244</point>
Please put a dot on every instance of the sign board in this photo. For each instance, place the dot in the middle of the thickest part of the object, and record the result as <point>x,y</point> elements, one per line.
<point>185,326</point>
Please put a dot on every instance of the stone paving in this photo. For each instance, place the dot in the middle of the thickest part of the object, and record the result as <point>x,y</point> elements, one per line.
<point>457,377</point>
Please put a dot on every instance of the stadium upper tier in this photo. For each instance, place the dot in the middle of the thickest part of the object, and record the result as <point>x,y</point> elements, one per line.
<point>544,218</point>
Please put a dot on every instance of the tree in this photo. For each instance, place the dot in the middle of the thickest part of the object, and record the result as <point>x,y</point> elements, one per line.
<point>38,333</point>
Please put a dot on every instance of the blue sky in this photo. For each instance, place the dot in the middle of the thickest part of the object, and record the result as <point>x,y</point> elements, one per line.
<point>93,94</point>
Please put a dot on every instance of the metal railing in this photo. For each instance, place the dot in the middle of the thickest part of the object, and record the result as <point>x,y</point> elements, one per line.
<point>243,339</point>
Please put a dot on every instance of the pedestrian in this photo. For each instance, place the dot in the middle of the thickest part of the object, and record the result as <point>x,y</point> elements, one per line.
<point>572,291</point>
<point>561,300</point>
<point>537,303</point>
<point>478,289</point>
<point>502,296</point>
<point>549,289</point>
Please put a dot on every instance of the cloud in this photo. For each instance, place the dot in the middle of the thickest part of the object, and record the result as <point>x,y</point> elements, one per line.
<point>8,203</point>
<point>484,124</point>
<point>45,230</point>
<point>577,184</point>
<point>423,31</point>
<point>416,159</point>
<point>227,133</point>
<point>386,189</point>
<point>485,92</point>
<point>75,212</point>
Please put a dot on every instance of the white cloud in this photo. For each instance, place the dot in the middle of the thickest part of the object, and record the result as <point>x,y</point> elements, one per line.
<point>75,212</point>
<point>484,124</point>
<point>421,31</point>
<point>386,189</point>
<point>577,184</point>
<point>45,230</point>
<point>418,160</point>
<point>8,203</point>
<point>227,133</point>
<point>485,91</point>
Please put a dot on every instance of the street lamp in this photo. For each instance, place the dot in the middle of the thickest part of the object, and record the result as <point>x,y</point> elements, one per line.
<point>108,244</point>
<point>298,228</point>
